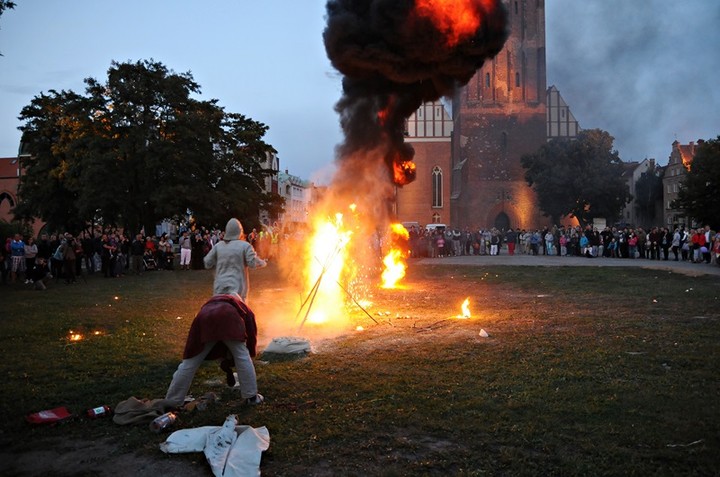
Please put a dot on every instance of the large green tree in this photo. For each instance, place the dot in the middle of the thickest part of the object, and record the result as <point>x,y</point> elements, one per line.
<point>699,194</point>
<point>579,178</point>
<point>137,149</point>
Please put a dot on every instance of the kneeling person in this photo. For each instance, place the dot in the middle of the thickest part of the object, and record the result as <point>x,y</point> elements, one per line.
<point>223,325</point>
<point>40,274</point>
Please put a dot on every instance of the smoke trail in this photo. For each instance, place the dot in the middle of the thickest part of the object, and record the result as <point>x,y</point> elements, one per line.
<point>395,55</point>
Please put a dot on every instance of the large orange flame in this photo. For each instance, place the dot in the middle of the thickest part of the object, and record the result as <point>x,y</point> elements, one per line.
<point>456,19</point>
<point>326,269</point>
<point>394,261</point>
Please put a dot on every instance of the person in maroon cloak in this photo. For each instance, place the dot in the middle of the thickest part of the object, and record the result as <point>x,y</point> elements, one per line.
<point>224,324</point>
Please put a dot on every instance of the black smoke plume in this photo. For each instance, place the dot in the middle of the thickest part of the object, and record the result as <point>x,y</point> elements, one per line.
<point>393,60</point>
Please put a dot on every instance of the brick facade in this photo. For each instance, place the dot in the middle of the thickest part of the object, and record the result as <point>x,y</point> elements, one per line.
<point>499,116</point>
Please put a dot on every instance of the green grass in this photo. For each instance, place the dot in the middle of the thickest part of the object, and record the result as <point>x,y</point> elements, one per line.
<point>587,371</point>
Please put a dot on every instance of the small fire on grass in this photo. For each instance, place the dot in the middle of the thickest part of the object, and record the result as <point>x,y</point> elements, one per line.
<point>465,309</point>
<point>75,336</point>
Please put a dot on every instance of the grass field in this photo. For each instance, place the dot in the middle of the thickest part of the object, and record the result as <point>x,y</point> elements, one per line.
<point>584,371</point>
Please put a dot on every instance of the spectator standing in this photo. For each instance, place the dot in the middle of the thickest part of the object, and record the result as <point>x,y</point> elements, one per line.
<point>17,257</point>
<point>88,248</point>
<point>68,254</point>
<point>494,242</point>
<point>707,253</point>
<point>684,244</point>
<point>641,242</point>
<point>563,245</point>
<point>632,244</point>
<point>549,243</point>
<point>31,251</point>
<point>675,244</point>
<point>511,238</point>
<point>137,250</point>
<point>665,242</point>
<point>698,242</point>
<point>185,251</point>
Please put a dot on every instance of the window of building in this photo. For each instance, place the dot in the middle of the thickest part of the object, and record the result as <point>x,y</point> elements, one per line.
<point>669,188</point>
<point>487,80</point>
<point>517,80</point>
<point>437,200</point>
<point>675,189</point>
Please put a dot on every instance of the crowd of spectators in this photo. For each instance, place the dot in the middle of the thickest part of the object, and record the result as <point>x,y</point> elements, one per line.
<point>113,254</point>
<point>696,245</point>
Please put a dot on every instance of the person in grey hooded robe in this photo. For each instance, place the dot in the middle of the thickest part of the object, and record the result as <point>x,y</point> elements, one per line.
<point>232,258</point>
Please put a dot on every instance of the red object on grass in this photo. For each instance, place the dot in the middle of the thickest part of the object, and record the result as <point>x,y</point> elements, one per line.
<point>49,416</point>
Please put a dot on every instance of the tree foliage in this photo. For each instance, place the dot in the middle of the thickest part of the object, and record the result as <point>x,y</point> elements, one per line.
<point>699,194</point>
<point>137,149</point>
<point>579,178</point>
<point>648,191</point>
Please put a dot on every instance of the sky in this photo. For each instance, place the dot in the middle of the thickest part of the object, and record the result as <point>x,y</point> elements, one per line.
<point>648,72</point>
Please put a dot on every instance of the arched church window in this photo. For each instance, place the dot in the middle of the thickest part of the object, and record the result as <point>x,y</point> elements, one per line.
<point>517,80</point>
<point>487,80</point>
<point>437,199</point>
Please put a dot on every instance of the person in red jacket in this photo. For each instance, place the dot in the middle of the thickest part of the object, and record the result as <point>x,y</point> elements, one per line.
<point>223,325</point>
<point>698,242</point>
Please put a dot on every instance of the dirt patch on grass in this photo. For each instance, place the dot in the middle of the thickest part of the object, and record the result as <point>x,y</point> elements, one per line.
<point>76,457</point>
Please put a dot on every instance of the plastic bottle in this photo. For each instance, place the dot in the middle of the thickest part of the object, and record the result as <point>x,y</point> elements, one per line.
<point>102,411</point>
<point>163,422</point>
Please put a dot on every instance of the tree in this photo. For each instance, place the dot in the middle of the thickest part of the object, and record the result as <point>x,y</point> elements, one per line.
<point>138,149</point>
<point>580,177</point>
<point>49,179</point>
<point>648,191</point>
<point>699,193</point>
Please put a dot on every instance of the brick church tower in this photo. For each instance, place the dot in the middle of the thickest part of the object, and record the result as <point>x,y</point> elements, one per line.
<point>499,116</point>
<point>468,155</point>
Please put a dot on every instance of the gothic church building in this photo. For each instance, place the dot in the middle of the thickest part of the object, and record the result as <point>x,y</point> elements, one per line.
<point>468,153</point>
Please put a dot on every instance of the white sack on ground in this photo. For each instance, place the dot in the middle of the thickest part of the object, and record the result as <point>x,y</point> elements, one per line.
<point>244,458</point>
<point>288,345</point>
<point>187,440</point>
<point>241,459</point>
